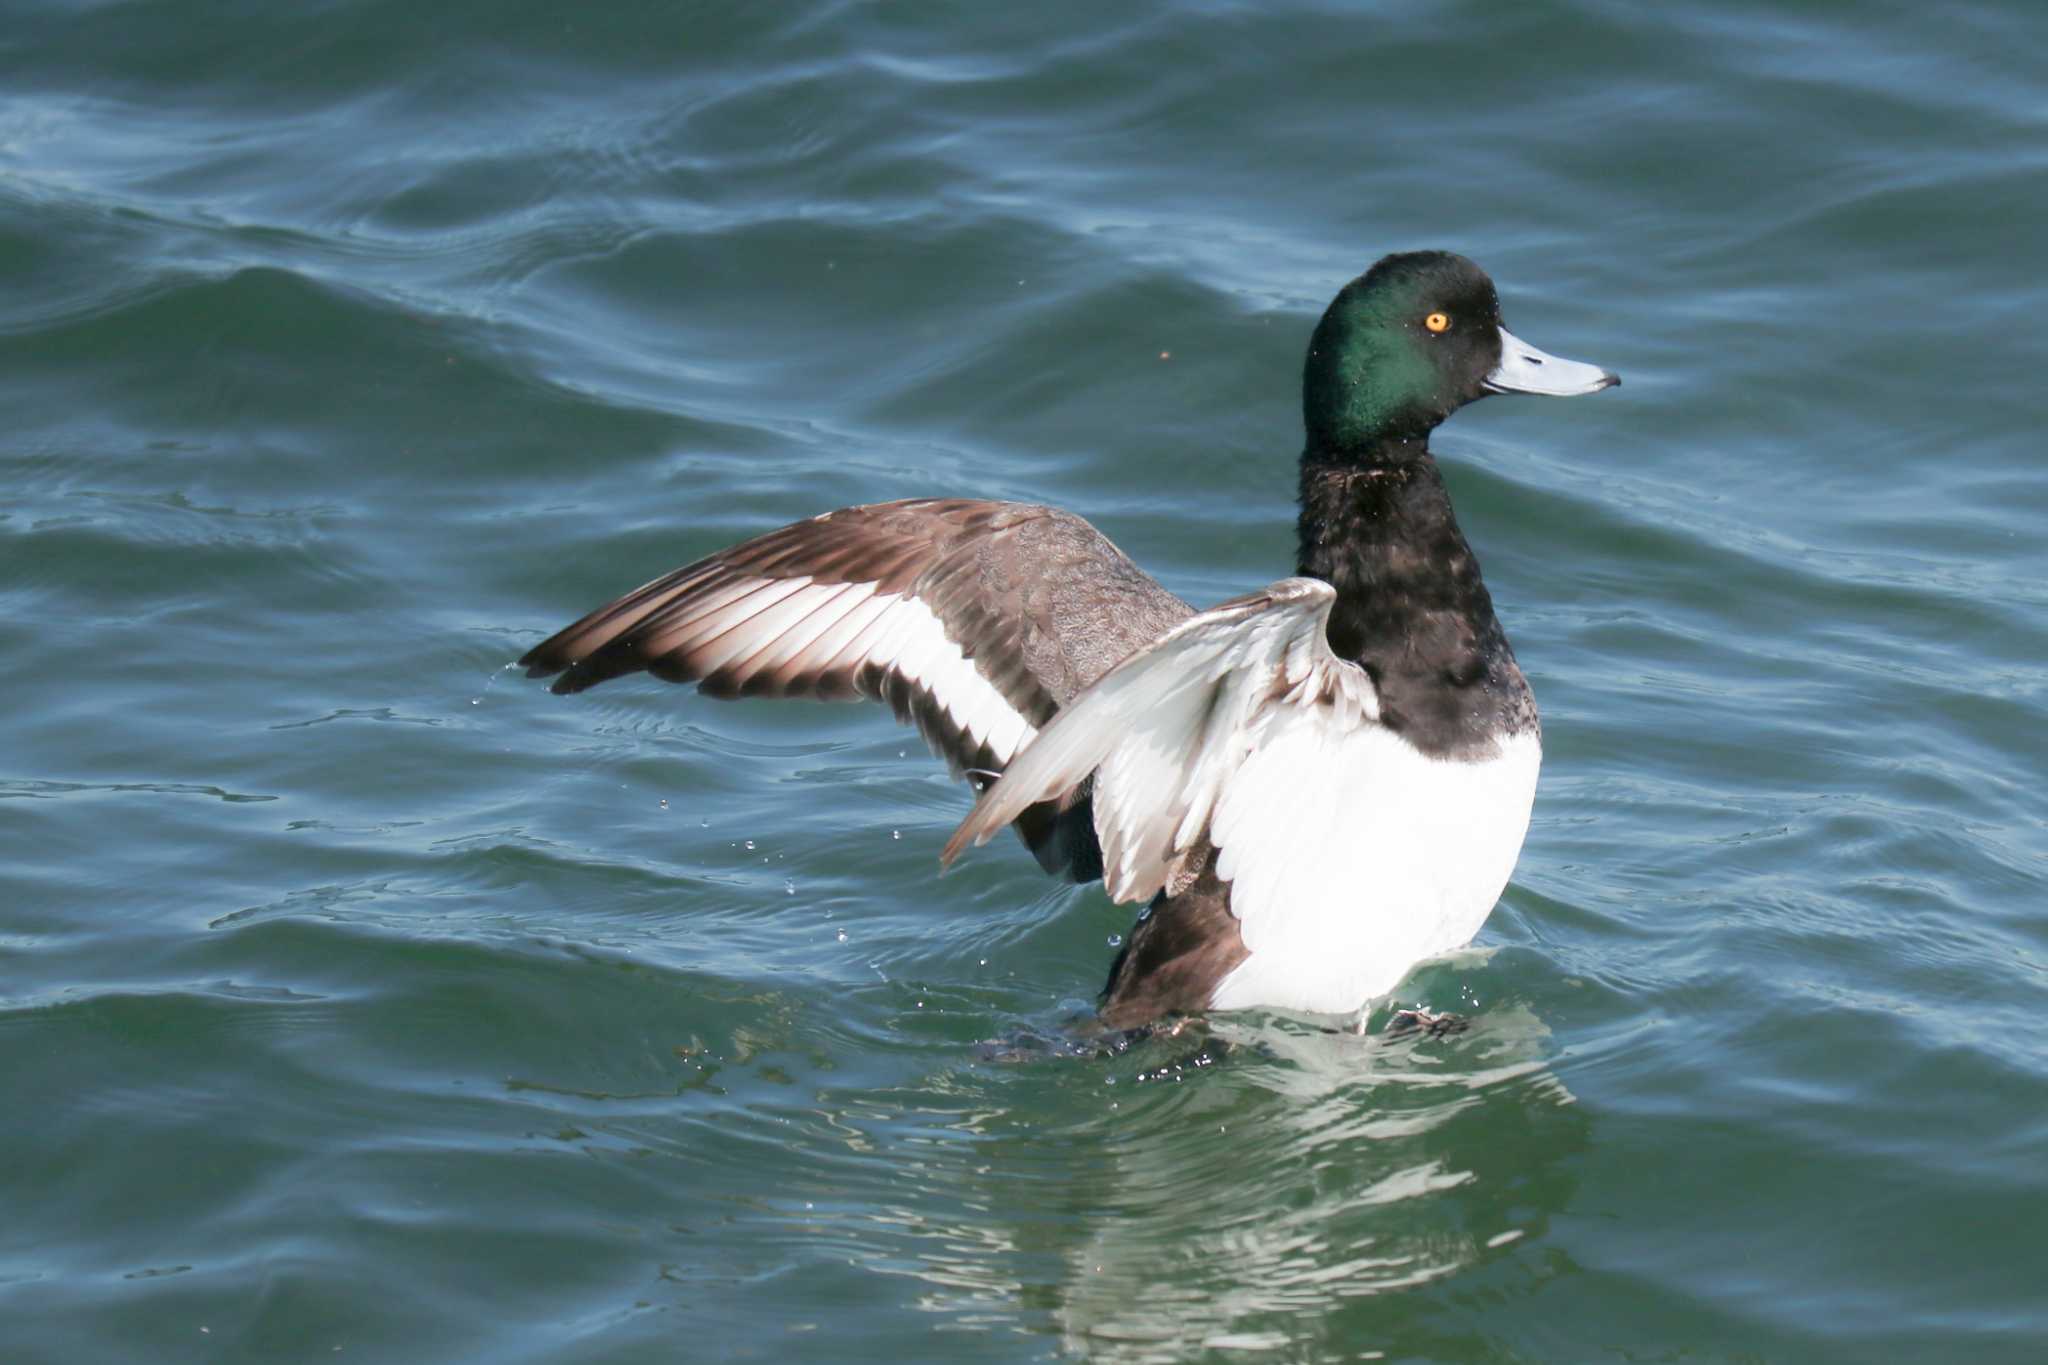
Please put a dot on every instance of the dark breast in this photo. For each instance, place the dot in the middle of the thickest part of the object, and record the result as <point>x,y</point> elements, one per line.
<point>1413,611</point>
<point>1458,705</point>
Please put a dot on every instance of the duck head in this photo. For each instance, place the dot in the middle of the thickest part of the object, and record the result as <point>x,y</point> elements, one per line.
<point>1408,343</point>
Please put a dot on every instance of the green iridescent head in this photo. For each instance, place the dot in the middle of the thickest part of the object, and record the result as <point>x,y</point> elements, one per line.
<point>1411,341</point>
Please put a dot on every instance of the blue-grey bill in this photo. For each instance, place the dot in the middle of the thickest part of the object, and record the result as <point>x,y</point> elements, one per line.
<point>1524,369</point>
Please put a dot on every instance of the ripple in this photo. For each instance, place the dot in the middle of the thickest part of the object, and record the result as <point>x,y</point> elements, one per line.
<point>44,790</point>
<point>373,999</point>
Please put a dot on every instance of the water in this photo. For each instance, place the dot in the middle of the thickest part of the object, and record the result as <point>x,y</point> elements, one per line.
<point>358,999</point>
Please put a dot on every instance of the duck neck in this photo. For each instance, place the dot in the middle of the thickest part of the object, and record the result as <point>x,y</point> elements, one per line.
<point>1411,608</point>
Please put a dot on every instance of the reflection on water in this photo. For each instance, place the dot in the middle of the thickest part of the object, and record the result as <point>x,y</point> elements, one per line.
<point>1233,1192</point>
<point>1379,1165</point>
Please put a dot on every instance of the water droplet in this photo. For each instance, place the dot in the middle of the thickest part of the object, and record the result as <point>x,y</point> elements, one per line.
<point>1116,940</point>
<point>750,845</point>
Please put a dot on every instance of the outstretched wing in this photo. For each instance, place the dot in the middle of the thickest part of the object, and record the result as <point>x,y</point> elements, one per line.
<point>976,621</point>
<point>1167,730</point>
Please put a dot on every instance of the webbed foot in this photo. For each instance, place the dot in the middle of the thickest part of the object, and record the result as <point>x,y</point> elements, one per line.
<point>1422,1023</point>
<point>1088,1037</point>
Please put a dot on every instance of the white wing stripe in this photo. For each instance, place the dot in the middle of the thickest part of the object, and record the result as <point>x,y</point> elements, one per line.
<point>723,639</point>
<point>1010,733</point>
<point>846,647</point>
<point>755,625</point>
<point>891,641</point>
<point>831,610</point>
<point>706,622</point>
<point>772,619</point>
<point>833,642</point>
<point>871,641</point>
<point>713,603</point>
<point>813,610</point>
<point>924,655</point>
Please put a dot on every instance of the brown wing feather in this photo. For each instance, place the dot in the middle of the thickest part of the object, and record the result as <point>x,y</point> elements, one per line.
<point>1036,600</point>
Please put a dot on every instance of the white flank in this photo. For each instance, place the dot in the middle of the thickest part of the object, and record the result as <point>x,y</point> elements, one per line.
<point>1352,857</point>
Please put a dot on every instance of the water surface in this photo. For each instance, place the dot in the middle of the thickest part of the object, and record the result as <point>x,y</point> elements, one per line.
<point>359,998</point>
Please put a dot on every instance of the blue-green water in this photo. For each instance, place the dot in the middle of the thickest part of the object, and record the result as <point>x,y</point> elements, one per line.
<point>360,1000</point>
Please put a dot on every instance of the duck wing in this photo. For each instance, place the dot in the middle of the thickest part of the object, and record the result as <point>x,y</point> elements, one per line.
<point>975,621</point>
<point>1171,734</point>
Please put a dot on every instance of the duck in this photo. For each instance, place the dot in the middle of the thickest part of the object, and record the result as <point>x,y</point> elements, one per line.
<point>1307,789</point>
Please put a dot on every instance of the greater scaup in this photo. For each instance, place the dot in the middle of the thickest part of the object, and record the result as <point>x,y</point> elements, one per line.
<point>1311,787</point>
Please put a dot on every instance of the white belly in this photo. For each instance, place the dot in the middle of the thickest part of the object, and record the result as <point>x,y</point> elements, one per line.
<point>1351,857</point>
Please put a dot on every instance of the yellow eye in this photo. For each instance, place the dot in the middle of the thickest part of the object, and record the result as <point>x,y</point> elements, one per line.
<point>1438,322</point>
